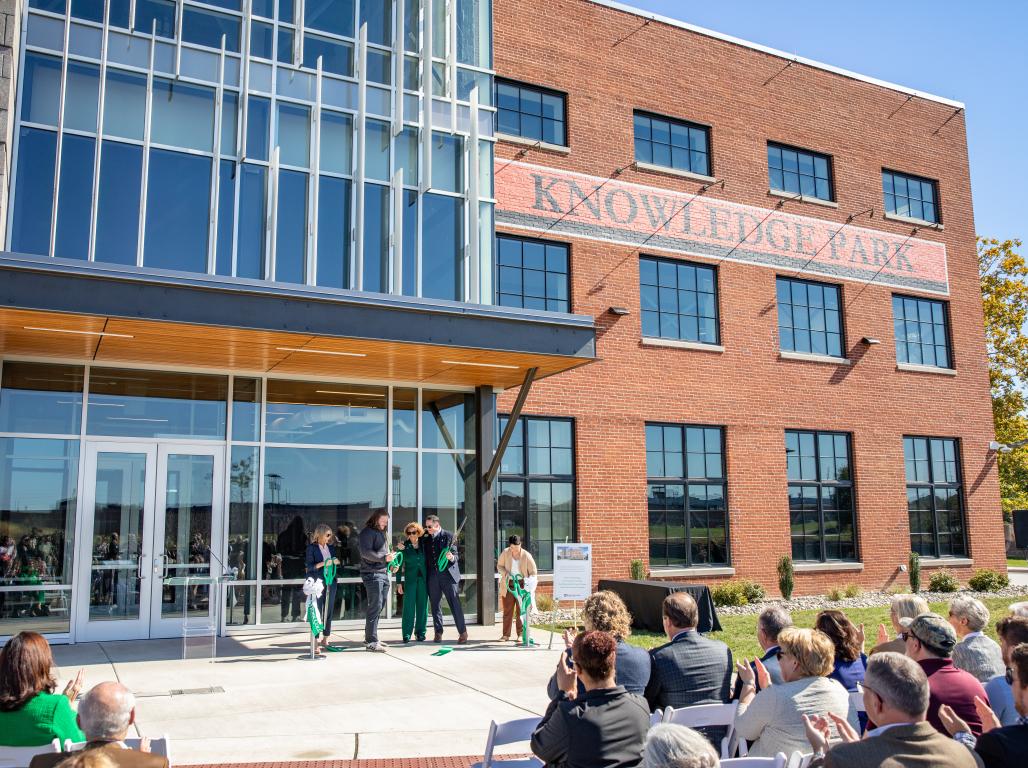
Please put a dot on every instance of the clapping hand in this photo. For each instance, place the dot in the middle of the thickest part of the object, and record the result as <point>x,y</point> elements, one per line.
<point>883,635</point>
<point>989,719</point>
<point>569,637</point>
<point>818,733</point>
<point>861,637</point>
<point>763,676</point>
<point>567,678</point>
<point>74,687</point>
<point>144,744</point>
<point>746,673</point>
<point>846,731</point>
<point>951,721</point>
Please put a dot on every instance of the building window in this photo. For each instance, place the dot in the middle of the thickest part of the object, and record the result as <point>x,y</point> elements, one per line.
<point>532,274</point>
<point>809,317</point>
<point>679,300</point>
<point>933,496</point>
<point>686,495</point>
<point>536,497</point>
<point>672,143</point>
<point>922,337</point>
<point>821,510</point>
<point>530,112</point>
<point>910,196</point>
<point>799,172</point>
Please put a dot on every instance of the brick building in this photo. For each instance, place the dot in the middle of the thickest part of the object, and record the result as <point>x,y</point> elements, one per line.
<point>739,222</point>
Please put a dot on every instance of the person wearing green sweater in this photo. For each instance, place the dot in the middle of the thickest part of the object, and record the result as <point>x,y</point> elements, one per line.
<point>412,583</point>
<point>31,714</point>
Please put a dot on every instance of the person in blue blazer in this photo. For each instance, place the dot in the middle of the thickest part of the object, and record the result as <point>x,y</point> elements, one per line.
<point>319,552</point>
<point>445,583</point>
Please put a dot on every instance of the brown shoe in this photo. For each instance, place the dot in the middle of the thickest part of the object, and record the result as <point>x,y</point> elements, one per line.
<point>462,638</point>
<point>438,637</point>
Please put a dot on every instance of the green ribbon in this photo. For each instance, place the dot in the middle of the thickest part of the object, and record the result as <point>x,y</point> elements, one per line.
<point>312,617</point>
<point>396,562</point>
<point>524,597</point>
<point>444,562</point>
<point>330,573</point>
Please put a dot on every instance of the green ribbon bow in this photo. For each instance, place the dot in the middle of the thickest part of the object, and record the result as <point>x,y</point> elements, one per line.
<point>396,562</point>
<point>330,573</point>
<point>312,617</point>
<point>517,587</point>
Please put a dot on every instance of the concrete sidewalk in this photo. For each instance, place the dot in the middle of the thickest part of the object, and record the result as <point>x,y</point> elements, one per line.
<point>260,703</point>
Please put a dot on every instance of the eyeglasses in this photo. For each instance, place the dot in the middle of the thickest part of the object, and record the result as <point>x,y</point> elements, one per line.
<point>904,636</point>
<point>1009,676</point>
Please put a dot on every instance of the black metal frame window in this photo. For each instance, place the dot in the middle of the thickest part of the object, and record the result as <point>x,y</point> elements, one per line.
<point>676,144</point>
<point>679,300</point>
<point>922,331</point>
<point>822,511</point>
<point>934,496</point>
<point>799,172</point>
<point>531,112</point>
<point>535,496</point>
<point>532,273</point>
<point>911,197</point>
<point>686,495</point>
<point>809,317</point>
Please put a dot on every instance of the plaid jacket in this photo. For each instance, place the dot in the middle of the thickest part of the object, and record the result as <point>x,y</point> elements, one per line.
<point>691,669</point>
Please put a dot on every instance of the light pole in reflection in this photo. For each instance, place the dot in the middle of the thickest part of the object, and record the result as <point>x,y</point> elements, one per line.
<point>397,501</point>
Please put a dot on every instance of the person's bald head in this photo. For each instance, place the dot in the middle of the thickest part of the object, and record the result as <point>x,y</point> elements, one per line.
<point>106,712</point>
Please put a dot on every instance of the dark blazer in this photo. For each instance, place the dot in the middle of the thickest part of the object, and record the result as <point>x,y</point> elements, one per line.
<point>600,729</point>
<point>122,758</point>
<point>1000,747</point>
<point>631,670</point>
<point>312,557</point>
<point>434,546</point>
<point>691,669</point>
<point>910,746</point>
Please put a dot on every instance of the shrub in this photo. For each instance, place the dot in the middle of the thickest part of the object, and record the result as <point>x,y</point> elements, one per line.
<point>785,577</point>
<point>943,581</point>
<point>753,591</point>
<point>835,594</point>
<point>852,590</point>
<point>638,570</point>
<point>729,593</point>
<point>986,580</point>
<point>544,603</point>
<point>914,565</point>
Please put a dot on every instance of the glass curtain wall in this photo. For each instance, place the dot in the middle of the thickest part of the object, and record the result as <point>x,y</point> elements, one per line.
<point>286,142</point>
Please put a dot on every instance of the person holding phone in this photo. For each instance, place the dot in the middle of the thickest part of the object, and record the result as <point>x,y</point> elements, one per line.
<point>318,555</point>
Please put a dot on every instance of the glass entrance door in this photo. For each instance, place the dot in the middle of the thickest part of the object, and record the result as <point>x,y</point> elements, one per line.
<point>151,512</point>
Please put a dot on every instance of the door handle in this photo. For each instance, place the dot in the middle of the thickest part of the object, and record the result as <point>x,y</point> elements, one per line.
<point>139,566</point>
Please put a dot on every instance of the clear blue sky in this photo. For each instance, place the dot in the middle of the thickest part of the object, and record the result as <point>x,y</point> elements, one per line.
<point>975,52</point>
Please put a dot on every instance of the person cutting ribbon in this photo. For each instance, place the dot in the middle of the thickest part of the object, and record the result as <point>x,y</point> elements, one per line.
<point>321,564</point>
<point>514,564</point>
<point>439,544</point>
<point>412,582</point>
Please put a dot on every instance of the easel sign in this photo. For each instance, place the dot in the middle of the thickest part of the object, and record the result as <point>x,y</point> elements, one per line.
<point>572,571</point>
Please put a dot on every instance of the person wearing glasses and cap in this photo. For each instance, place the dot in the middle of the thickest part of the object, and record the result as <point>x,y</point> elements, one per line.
<point>412,583</point>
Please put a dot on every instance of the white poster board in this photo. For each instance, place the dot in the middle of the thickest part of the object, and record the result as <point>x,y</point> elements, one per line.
<point>572,571</point>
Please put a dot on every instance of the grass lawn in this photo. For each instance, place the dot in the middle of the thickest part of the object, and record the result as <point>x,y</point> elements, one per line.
<point>1017,562</point>
<point>740,632</point>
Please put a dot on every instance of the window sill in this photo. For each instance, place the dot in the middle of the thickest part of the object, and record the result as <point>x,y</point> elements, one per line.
<point>802,198</point>
<point>530,144</point>
<point>826,567</point>
<point>654,168</point>
<point>812,358</point>
<point>915,222</point>
<point>946,562</point>
<point>911,368</point>
<point>649,341</point>
<point>695,571</point>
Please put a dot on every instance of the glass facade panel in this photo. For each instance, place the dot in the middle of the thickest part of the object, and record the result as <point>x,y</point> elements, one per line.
<point>41,398</point>
<point>321,413</point>
<point>117,217</point>
<point>124,104</point>
<point>246,409</point>
<point>291,238</point>
<point>376,238</point>
<point>442,240</point>
<point>447,420</point>
<point>183,115</point>
<point>80,96</point>
<point>34,192</point>
<point>74,203</point>
<point>178,198</point>
<point>333,232</point>
<point>244,476</point>
<point>41,89</point>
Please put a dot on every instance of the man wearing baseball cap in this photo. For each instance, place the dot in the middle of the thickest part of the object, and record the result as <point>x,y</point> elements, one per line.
<point>929,640</point>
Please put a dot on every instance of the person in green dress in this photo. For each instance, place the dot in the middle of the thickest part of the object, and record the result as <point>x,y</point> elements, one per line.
<point>412,583</point>
<point>31,714</point>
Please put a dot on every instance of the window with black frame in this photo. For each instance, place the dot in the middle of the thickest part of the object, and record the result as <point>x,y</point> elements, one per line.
<point>532,274</point>
<point>922,331</point>
<point>530,112</point>
<point>809,317</point>
<point>799,172</point>
<point>675,144</point>
<point>934,499</point>
<point>679,300</point>
<point>535,494</point>
<point>821,496</point>
<point>910,197</point>
<point>686,495</point>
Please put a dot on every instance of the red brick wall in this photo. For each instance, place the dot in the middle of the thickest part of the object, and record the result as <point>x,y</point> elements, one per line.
<point>609,63</point>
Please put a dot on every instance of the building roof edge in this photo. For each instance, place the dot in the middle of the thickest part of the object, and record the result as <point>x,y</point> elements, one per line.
<point>614,4</point>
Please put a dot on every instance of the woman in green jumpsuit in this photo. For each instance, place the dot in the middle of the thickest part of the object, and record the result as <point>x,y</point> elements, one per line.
<point>412,583</point>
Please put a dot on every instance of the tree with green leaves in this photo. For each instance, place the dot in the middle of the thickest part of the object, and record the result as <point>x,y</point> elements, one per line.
<point>1003,274</point>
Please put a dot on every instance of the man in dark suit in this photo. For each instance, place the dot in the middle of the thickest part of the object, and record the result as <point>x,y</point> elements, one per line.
<point>105,715</point>
<point>445,583</point>
<point>691,669</point>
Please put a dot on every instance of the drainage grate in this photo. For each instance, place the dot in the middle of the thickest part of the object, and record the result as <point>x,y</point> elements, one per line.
<point>180,692</point>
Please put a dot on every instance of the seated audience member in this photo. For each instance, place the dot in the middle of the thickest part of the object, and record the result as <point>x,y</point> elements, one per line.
<point>850,662</point>
<point>902,607</point>
<point>606,612</point>
<point>999,746</point>
<point>690,669</point>
<point>773,718</point>
<point>93,758</point>
<point>605,726</point>
<point>1019,609</point>
<point>896,698</point>
<point>770,623</point>
<point>675,746</point>
<point>930,640</point>
<point>975,652</point>
<point>1012,631</point>
<point>31,714</point>
<point>106,713</point>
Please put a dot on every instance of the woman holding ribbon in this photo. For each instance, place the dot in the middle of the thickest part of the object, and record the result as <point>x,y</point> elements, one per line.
<point>411,571</point>
<point>321,564</point>
<point>515,564</point>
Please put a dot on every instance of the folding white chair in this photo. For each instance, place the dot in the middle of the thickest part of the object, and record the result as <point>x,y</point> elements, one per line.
<point>158,745</point>
<point>656,717</point>
<point>708,716</point>
<point>20,757</point>
<point>799,760</point>
<point>510,732</point>
<point>857,699</point>
<point>778,761</point>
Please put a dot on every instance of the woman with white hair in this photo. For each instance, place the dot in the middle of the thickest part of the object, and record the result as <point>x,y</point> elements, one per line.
<point>975,652</point>
<point>675,746</point>
<point>901,607</point>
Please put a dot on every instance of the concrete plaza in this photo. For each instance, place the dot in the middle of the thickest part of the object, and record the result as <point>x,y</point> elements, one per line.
<point>260,703</point>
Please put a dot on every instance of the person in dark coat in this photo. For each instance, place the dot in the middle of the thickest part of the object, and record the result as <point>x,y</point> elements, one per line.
<point>445,583</point>
<point>603,728</point>
<point>319,555</point>
<point>291,545</point>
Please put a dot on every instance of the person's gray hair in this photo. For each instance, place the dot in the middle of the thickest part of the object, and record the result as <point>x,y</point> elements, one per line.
<point>908,606</point>
<point>973,610</point>
<point>899,681</point>
<point>106,711</point>
<point>1019,609</point>
<point>675,746</point>
<point>773,620</point>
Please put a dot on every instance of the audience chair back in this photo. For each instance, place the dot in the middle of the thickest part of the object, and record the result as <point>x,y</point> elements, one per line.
<point>158,746</point>
<point>656,717</point>
<point>857,699</point>
<point>778,761</point>
<point>20,757</point>
<point>709,715</point>
<point>799,760</point>
<point>510,732</point>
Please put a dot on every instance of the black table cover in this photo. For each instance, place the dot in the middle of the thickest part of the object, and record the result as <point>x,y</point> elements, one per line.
<point>644,600</point>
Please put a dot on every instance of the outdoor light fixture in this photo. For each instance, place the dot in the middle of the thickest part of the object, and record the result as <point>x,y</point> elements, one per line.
<point>870,341</point>
<point>78,333</point>
<point>479,365</point>
<point>1005,447</point>
<point>619,311</point>
<point>320,351</point>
